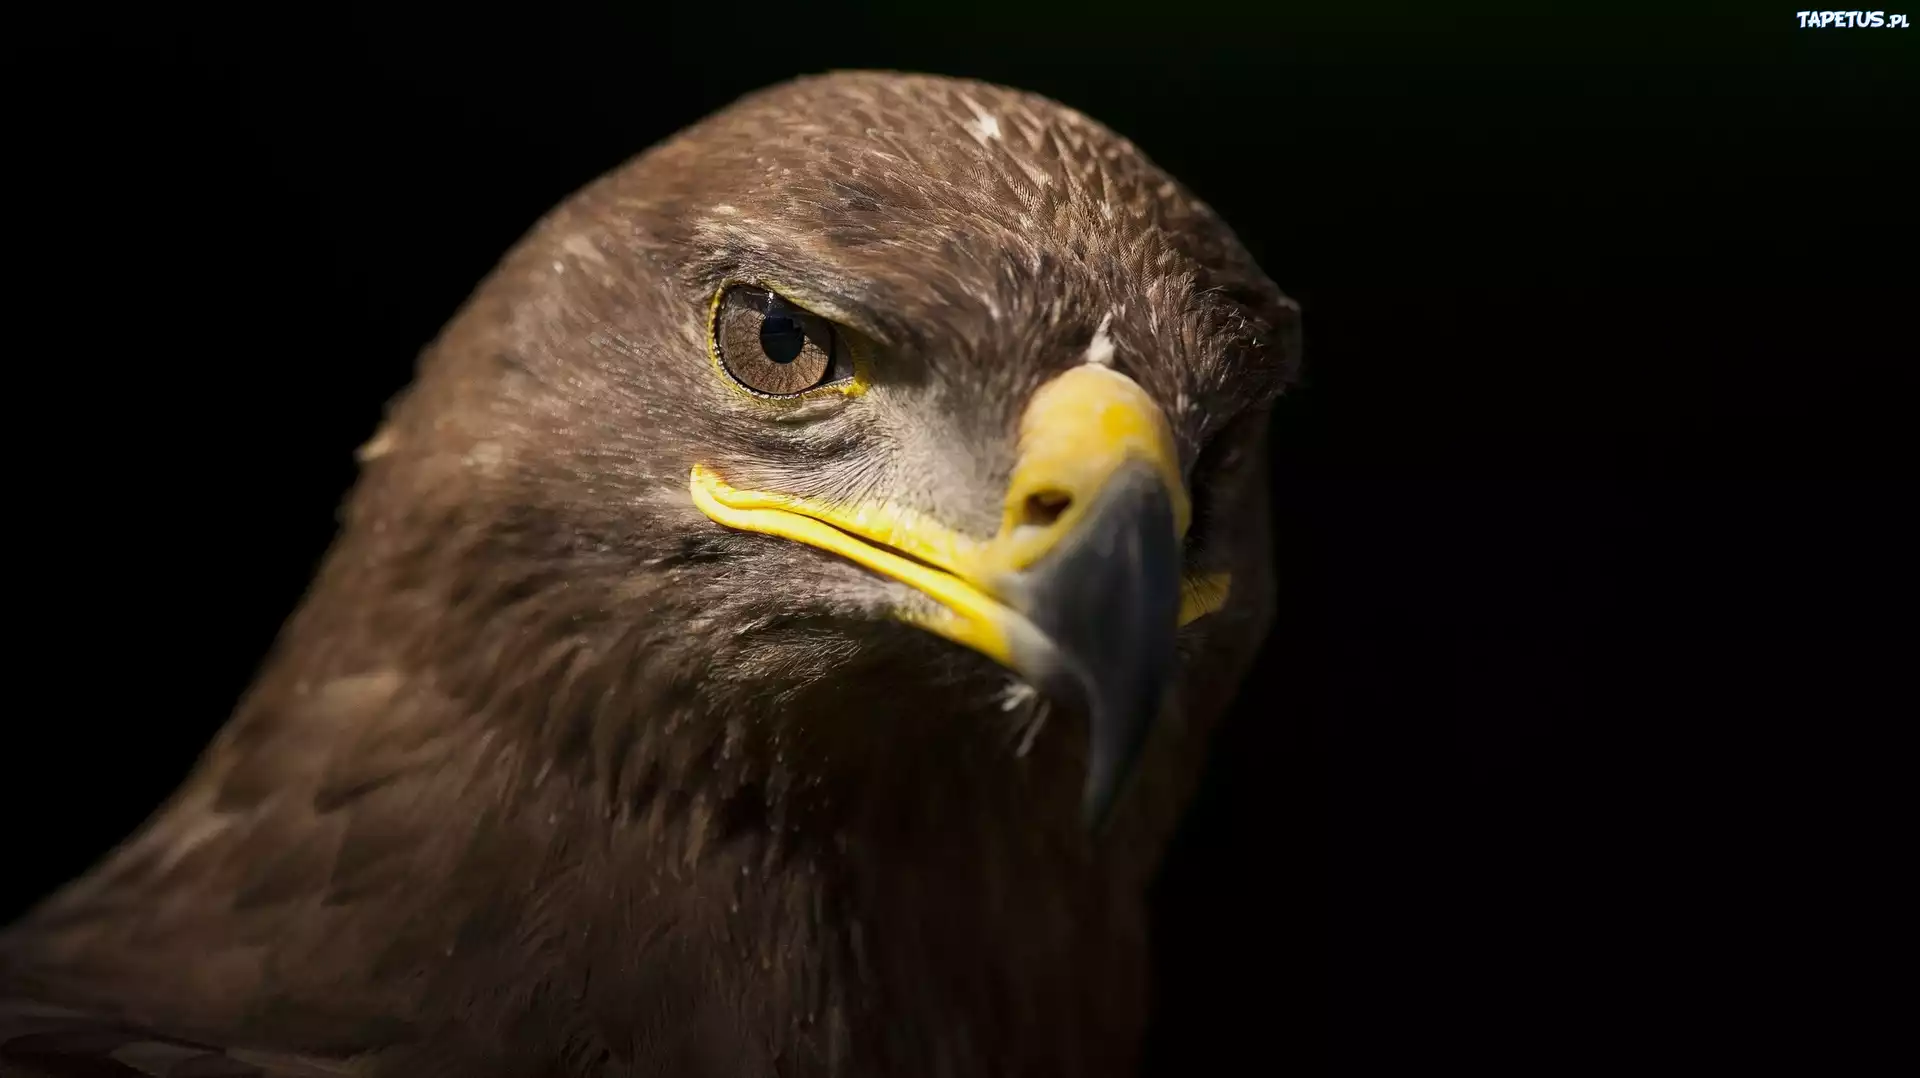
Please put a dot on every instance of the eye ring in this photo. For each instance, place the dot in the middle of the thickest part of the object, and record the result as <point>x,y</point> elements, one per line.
<point>770,347</point>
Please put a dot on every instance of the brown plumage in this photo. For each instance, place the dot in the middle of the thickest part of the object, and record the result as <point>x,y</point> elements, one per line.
<point>551,774</point>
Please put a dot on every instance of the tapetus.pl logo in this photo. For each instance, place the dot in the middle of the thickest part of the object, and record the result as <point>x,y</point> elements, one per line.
<point>1851,20</point>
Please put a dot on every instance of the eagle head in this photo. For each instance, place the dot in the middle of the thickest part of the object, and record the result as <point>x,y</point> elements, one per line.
<point>864,414</point>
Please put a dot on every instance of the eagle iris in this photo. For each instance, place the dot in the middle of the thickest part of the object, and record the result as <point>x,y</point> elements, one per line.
<point>773,348</point>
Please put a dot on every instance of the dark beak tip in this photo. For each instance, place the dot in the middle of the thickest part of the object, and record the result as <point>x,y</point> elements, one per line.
<point>1098,797</point>
<point>1118,732</point>
<point>1109,603</point>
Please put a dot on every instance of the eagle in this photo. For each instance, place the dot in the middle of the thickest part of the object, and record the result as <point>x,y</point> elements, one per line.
<point>774,634</point>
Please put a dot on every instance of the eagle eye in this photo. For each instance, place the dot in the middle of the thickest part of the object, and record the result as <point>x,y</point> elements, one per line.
<point>773,348</point>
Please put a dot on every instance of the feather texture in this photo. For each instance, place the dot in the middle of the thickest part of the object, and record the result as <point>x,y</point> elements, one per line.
<point>550,776</point>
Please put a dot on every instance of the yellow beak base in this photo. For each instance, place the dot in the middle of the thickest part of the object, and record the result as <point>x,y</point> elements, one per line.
<point>1081,590</point>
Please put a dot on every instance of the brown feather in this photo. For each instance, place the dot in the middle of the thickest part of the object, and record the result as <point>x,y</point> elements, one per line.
<point>549,775</point>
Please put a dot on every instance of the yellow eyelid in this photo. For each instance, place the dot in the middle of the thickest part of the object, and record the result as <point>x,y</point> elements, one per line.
<point>851,387</point>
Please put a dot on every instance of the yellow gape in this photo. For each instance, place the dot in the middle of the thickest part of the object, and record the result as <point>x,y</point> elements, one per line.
<point>1080,430</point>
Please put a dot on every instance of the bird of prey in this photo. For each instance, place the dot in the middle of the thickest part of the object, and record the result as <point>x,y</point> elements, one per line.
<point>774,634</point>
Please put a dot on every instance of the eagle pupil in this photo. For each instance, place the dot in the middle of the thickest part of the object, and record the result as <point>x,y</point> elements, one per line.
<point>781,338</point>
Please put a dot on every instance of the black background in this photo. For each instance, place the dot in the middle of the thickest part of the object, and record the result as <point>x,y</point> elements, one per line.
<point>1571,746</point>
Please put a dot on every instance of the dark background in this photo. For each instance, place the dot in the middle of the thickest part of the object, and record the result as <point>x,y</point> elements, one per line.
<point>1573,746</point>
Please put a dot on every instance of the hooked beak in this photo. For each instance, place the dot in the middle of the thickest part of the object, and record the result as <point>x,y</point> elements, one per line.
<point>1106,604</point>
<point>1082,591</point>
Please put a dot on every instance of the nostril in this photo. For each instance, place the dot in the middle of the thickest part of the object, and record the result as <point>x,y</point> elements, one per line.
<point>1043,507</point>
